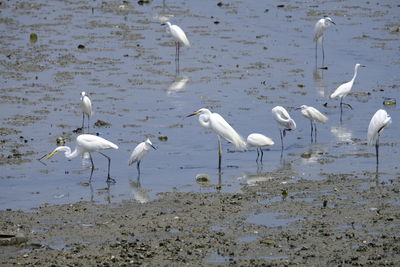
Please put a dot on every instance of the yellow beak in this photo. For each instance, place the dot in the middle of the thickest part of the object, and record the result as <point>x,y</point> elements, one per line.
<point>51,154</point>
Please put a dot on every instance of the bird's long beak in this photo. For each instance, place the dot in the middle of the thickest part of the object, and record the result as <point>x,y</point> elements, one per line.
<point>51,154</point>
<point>297,108</point>
<point>333,22</point>
<point>194,113</point>
<point>363,66</point>
<point>153,147</point>
<point>163,24</point>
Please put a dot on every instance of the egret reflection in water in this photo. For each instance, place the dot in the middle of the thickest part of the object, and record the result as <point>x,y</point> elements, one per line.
<point>342,133</point>
<point>139,193</point>
<point>178,85</point>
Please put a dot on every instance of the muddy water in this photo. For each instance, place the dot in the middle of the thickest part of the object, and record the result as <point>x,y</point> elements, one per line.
<point>245,58</point>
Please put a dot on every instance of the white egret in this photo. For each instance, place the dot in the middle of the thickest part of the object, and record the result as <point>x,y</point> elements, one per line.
<point>86,106</point>
<point>345,88</point>
<point>259,140</point>
<point>379,121</point>
<point>314,115</point>
<point>139,152</point>
<point>283,118</point>
<point>87,143</point>
<point>180,39</point>
<point>217,123</point>
<point>319,30</point>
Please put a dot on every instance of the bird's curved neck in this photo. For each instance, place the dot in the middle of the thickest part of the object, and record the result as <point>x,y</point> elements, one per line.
<point>68,154</point>
<point>355,73</point>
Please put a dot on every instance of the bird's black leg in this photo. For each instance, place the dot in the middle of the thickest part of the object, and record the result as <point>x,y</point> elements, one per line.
<point>91,173</point>
<point>316,54</point>
<point>258,154</point>
<point>83,122</point>
<point>315,132</point>
<point>138,167</point>
<point>262,154</point>
<point>219,154</point>
<point>109,179</point>
<point>311,131</point>
<point>88,126</point>
<point>282,134</point>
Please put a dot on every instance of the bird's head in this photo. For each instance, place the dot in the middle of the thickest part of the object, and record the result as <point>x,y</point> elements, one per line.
<point>149,143</point>
<point>83,93</point>
<point>328,19</point>
<point>197,112</point>
<point>359,65</point>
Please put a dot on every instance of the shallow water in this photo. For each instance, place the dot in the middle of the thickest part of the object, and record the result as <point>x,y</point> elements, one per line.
<point>245,58</point>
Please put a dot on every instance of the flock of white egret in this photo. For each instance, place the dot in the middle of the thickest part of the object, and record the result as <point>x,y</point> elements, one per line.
<point>87,143</point>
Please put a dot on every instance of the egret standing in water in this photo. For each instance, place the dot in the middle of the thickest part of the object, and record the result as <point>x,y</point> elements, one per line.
<point>319,30</point>
<point>283,118</point>
<point>314,115</point>
<point>344,89</point>
<point>86,106</point>
<point>139,152</point>
<point>180,39</point>
<point>379,121</point>
<point>259,140</point>
<point>217,123</point>
<point>88,143</point>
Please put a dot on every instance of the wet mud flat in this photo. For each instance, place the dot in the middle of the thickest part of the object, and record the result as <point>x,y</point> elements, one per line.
<point>343,219</point>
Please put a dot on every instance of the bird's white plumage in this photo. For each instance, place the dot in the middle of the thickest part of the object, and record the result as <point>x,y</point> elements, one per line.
<point>140,151</point>
<point>259,140</point>
<point>217,123</point>
<point>345,88</point>
<point>313,114</point>
<point>86,104</point>
<point>379,121</point>
<point>320,28</point>
<point>283,118</point>
<point>178,34</point>
<point>92,143</point>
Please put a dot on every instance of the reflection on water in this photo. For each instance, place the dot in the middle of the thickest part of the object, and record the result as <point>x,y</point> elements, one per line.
<point>342,133</point>
<point>314,154</point>
<point>252,179</point>
<point>178,85</point>
<point>139,193</point>
<point>319,82</point>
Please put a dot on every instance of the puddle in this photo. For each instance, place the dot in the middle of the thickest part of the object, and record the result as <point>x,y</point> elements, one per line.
<point>271,219</point>
<point>247,238</point>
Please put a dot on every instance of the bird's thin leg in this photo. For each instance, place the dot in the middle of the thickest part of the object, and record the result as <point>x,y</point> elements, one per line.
<point>311,130</point>
<point>83,122</point>
<point>377,151</point>
<point>262,154</point>
<point>281,134</point>
<point>91,173</point>
<point>88,126</point>
<point>109,179</point>
<point>315,132</point>
<point>316,54</point>
<point>138,167</point>
<point>219,154</point>
<point>258,154</point>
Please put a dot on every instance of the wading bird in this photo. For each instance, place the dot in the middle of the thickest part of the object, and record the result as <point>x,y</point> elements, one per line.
<point>217,123</point>
<point>259,140</point>
<point>180,39</point>
<point>283,118</point>
<point>139,152</point>
<point>319,30</point>
<point>88,143</point>
<point>86,106</point>
<point>344,89</point>
<point>379,121</point>
<point>314,115</point>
